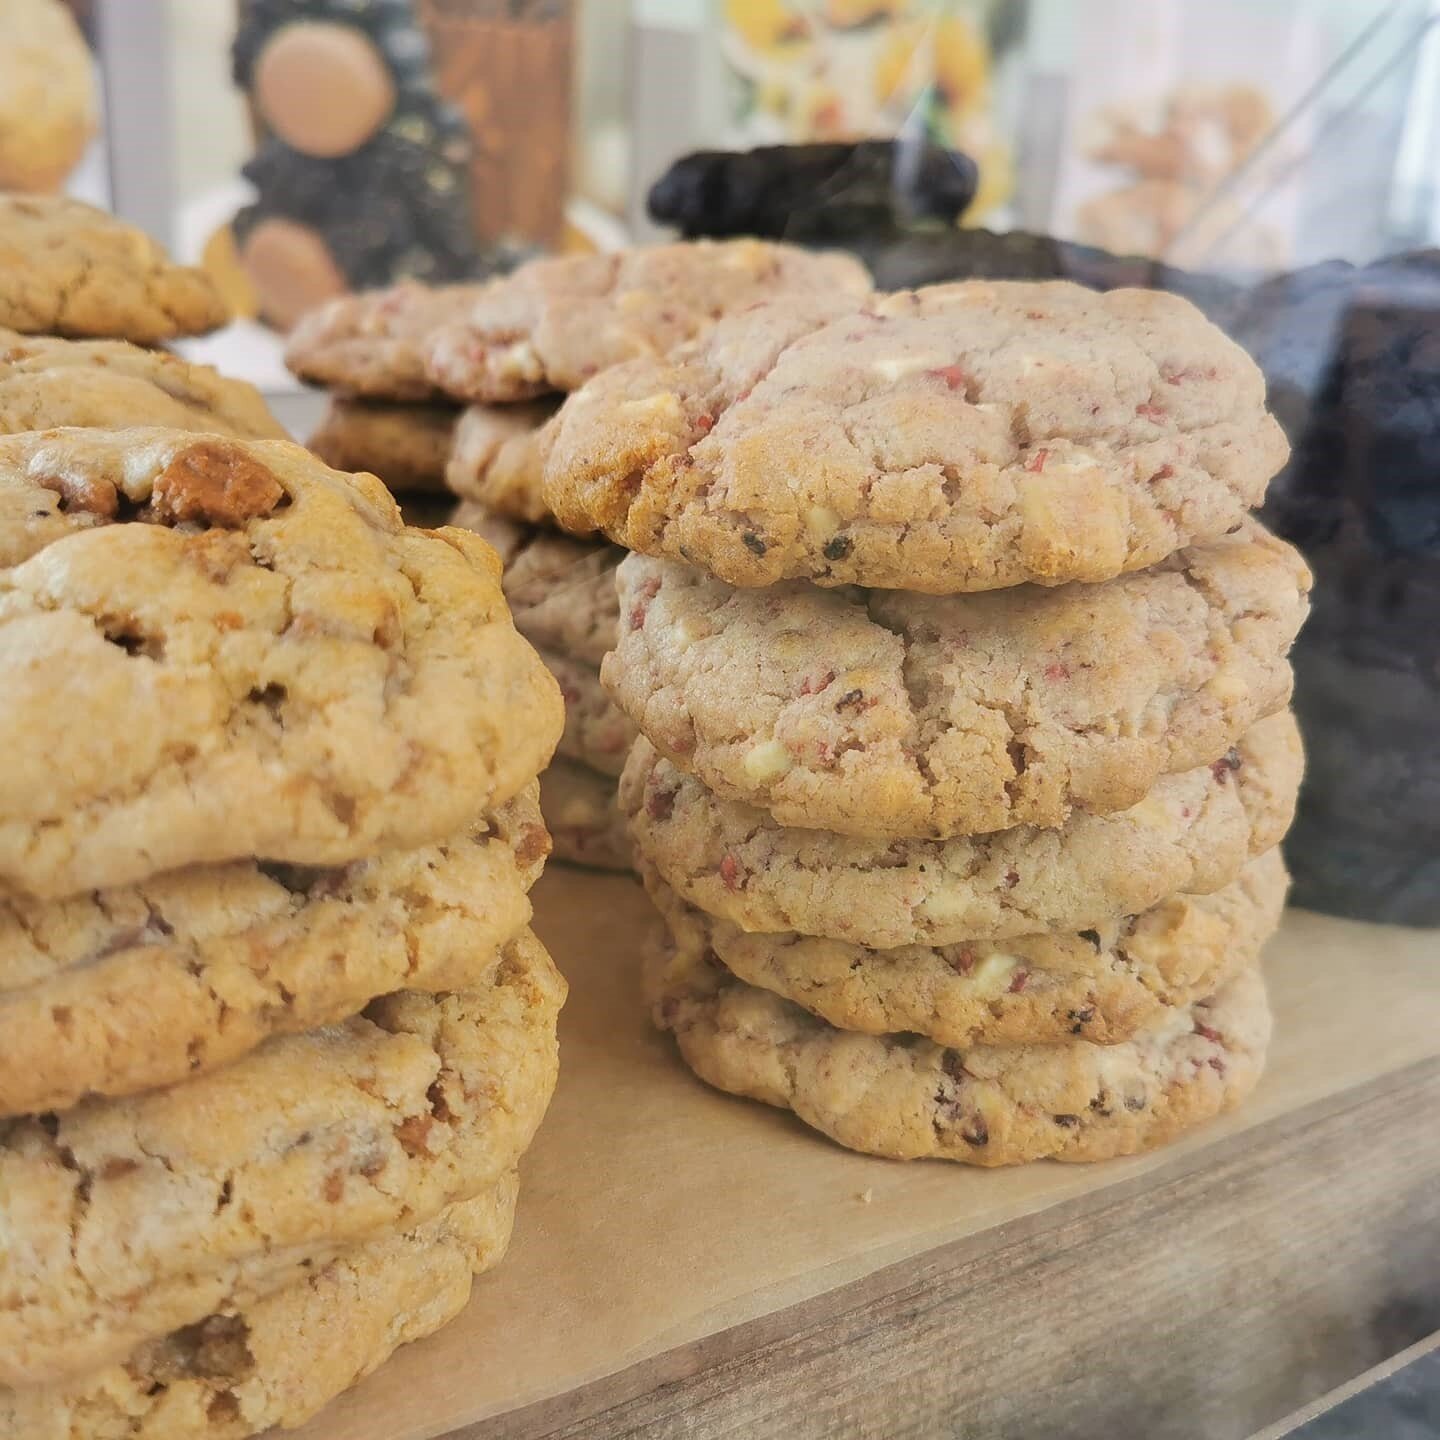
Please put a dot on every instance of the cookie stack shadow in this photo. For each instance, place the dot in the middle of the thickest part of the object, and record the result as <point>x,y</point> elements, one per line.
<point>961,670</point>
<point>274,1032</point>
<point>478,371</point>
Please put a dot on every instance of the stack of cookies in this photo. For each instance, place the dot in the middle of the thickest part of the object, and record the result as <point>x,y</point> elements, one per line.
<point>508,351</point>
<point>273,1030</point>
<point>960,669</point>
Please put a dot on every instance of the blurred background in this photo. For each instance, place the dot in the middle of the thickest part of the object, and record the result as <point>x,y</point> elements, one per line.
<point>1276,161</point>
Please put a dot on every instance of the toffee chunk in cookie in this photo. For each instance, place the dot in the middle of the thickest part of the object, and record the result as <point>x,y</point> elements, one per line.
<point>284,670</point>
<point>966,437</point>
<point>881,712</point>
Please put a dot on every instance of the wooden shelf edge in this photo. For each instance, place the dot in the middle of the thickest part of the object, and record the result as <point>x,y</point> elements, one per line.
<point>1250,1276</point>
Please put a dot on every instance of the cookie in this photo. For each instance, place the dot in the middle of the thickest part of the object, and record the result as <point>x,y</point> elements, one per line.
<point>283,670</point>
<point>561,590</point>
<point>407,446</point>
<point>278,1360</point>
<point>1192,834</point>
<point>887,713</point>
<point>496,461</point>
<point>116,991</point>
<point>47,95</point>
<point>69,269</point>
<point>1102,985</point>
<point>110,384</point>
<point>555,323</point>
<point>964,437</point>
<point>585,823</point>
<point>128,1219</point>
<point>908,1098</point>
<point>596,733</point>
<point>370,344</point>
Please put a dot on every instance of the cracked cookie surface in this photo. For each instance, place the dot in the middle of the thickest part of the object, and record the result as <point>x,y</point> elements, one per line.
<point>110,384</point>
<point>1192,834</point>
<point>129,1219</point>
<point>67,268</point>
<point>561,589</point>
<point>555,323</point>
<point>372,344</point>
<point>908,1098</point>
<point>407,446</point>
<point>278,1360</point>
<point>122,990</point>
<point>887,713</point>
<point>583,817</point>
<point>496,460</point>
<point>1100,985</point>
<point>284,670</point>
<point>965,437</point>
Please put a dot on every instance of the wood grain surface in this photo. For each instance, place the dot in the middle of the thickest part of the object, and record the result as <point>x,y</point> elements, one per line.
<point>686,1264</point>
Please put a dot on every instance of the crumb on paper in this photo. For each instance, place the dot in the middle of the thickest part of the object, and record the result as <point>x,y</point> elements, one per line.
<point>864,1196</point>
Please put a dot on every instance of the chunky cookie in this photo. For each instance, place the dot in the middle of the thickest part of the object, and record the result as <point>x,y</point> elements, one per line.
<point>964,437</point>
<point>1192,834</point>
<point>272,666</point>
<point>496,460</point>
<point>561,590</point>
<point>116,991</point>
<point>128,1219</point>
<point>110,384</point>
<point>69,269</point>
<point>371,344</point>
<point>907,1098</point>
<point>555,323</point>
<point>278,1360</point>
<point>407,446</point>
<point>1102,985</point>
<point>596,733</point>
<point>881,712</point>
<point>47,95</point>
<point>585,823</point>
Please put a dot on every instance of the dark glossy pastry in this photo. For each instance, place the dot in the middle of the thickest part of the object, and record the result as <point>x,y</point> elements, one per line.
<point>819,194</point>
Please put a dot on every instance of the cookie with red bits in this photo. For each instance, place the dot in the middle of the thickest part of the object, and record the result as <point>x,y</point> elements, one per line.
<point>959,438</point>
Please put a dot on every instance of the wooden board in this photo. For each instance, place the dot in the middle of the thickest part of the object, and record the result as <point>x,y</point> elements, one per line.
<point>687,1263</point>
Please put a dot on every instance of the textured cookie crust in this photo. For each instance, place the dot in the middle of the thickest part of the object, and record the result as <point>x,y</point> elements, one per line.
<point>585,823</point>
<point>407,446</point>
<point>1192,834</point>
<point>370,344</point>
<point>965,437</point>
<point>886,713</point>
<point>1101,985</point>
<point>908,1098</point>
<point>47,95</point>
<point>69,269</point>
<point>128,1219</point>
<point>110,384</point>
<point>596,733</point>
<point>116,991</point>
<point>283,669</point>
<point>561,590</point>
<point>555,323</point>
<point>278,1360</point>
<point>497,460</point>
